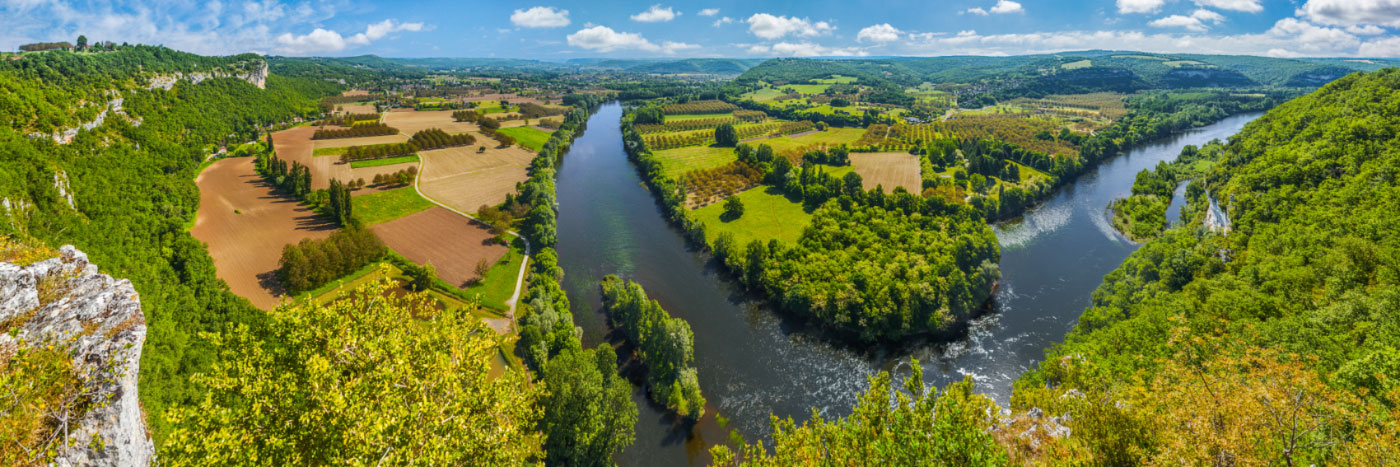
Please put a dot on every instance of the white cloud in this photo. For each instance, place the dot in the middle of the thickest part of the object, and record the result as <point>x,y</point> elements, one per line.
<point>656,14</point>
<point>806,49</point>
<point>669,47</point>
<point>540,17</point>
<point>1006,6</point>
<point>316,41</point>
<point>325,40</point>
<point>1387,47</point>
<point>709,12</point>
<point>1178,21</point>
<point>1140,6</point>
<point>1002,7</point>
<point>1365,30</point>
<point>378,30</point>
<point>1313,38</point>
<point>605,39</point>
<point>879,33</point>
<point>767,26</point>
<point>723,21</point>
<point>1207,15</point>
<point>1247,6</point>
<point>1352,12</point>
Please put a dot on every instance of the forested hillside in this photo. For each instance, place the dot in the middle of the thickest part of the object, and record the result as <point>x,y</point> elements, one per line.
<point>1290,312</point>
<point>1069,72</point>
<point>124,191</point>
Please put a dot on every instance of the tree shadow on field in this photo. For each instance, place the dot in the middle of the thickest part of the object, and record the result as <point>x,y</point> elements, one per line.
<point>268,281</point>
<point>728,217</point>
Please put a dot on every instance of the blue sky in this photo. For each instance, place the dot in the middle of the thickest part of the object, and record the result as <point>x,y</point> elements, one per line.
<point>721,28</point>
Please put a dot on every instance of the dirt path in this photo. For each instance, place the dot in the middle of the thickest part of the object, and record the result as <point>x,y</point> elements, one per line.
<point>524,263</point>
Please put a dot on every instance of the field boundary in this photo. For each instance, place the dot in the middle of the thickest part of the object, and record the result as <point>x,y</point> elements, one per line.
<point>524,262</point>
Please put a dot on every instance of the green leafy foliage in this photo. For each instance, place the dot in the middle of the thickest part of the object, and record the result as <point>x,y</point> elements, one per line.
<point>1297,299</point>
<point>665,346</point>
<point>921,427</point>
<point>369,378</point>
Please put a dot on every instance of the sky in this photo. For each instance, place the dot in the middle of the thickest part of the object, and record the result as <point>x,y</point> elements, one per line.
<point>721,28</point>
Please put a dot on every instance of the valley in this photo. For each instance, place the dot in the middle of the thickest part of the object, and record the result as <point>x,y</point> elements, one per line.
<point>644,256</point>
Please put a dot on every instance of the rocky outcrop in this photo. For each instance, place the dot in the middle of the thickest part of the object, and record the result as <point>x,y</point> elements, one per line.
<point>1217,220</point>
<point>256,76</point>
<point>98,319</point>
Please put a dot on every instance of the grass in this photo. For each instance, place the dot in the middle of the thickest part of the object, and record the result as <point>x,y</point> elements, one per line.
<point>1077,65</point>
<point>830,137</point>
<point>499,283</point>
<point>768,214</point>
<point>527,136</point>
<point>764,95</point>
<point>837,79</point>
<point>375,271</point>
<point>375,208</point>
<point>384,161</point>
<point>808,88</point>
<point>336,151</point>
<point>679,117</point>
<point>681,160</point>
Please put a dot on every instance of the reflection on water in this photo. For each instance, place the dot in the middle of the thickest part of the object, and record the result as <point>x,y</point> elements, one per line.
<point>753,362</point>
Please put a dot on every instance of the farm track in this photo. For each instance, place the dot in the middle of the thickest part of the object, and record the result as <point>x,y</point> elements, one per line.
<point>524,263</point>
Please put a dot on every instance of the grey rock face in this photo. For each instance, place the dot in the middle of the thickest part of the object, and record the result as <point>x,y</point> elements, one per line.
<point>99,319</point>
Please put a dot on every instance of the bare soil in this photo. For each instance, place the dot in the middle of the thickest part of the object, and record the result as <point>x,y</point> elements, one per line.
<point>295,144</point>
<point>246,223</point>
<point>465,180</point>
<point>409,121</point>
<point>888,169</point>
<point>451,243</point>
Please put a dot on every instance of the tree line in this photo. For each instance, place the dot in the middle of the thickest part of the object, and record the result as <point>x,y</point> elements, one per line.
<point>311,263</point>
<point>665,346</point>
<point>360,129</point>
<point>588,413</point>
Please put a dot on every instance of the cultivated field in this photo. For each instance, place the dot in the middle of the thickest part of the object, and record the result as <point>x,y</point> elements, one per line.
<point>409,121</point>
<point>451,243</point>
<point>888,169</point>
<point>357,109</point>
<point>246,223</point>
<point>365,141</point>
<point>681,160</point>
<point>368,174</point>
<point>465,180</point>
<point>355,92</point>
<point>295,145</point>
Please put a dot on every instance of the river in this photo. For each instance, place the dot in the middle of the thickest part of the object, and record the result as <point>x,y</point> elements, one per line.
<point>753,362</point>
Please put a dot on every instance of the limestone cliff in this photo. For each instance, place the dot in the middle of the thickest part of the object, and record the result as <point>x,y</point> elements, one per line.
<point>97,321</point>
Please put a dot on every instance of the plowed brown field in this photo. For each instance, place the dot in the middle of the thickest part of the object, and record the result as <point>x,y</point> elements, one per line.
<point>295,144</point>
<point>465,180</point>
<point>246,223</point>
<point>409,121</point>
<point>451,243</point>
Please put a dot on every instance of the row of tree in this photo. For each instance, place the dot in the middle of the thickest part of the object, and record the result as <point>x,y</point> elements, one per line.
<point>588,414</point>
<point>434,138</point>
<point>312,263</point>
<point>359,130</point>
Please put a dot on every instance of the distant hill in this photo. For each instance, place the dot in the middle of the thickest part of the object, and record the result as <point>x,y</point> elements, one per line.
<point>1096,70</point>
